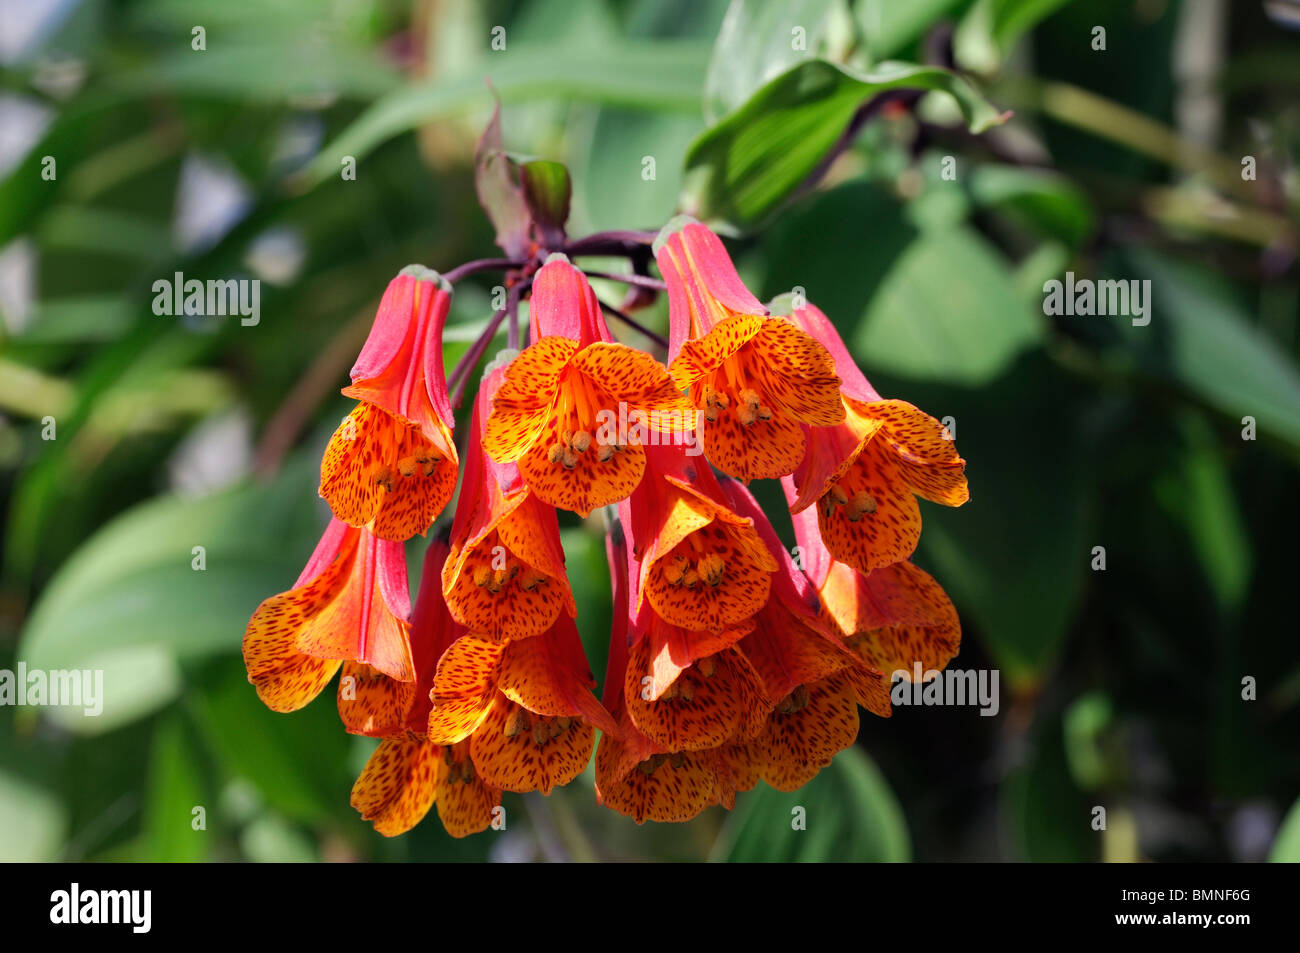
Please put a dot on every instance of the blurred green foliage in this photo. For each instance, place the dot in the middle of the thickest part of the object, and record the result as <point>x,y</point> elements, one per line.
<point>1121,688</point>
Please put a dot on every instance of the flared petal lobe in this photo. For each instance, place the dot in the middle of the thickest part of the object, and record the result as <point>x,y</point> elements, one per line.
<point>350,605</point>
<point>505,576</point>
<point>754,378</point>
<point>866,503</point>
<point>574,413</point>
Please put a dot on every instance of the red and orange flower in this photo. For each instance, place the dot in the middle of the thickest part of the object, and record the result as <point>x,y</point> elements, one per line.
<point>865,473</point>
<point>559,410</point>
<point>350,604</point>
<point>754,378</point>
<point>391,463</point>
<point>505,576</point>
<point>728,665</point>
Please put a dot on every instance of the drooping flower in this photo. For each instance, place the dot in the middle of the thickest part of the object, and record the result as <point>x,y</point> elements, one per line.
<point>505,576</point>
<point>755,378</point>
<point>702,567</point>
<point>407,773</point>
<point>635,776</point>
<point>702,714</point>
<point>865,473</point>
<point>575,406</point>
<point>392,463</point>
<point>813,679</point>
<point>895,618</point>
<point>350,604</point>
<point>524,708</point>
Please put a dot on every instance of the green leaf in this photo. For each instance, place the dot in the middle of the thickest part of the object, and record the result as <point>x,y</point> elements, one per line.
<point>1286,849</point>
<point>1048,203</point>
<point>32,822</point>
<point>130,602</point>
<point>991,28</point>
<point>1199,495</point>
<point>1201,335</point>
<point>1048,816</point>
<point>849,813</point>
<point>297,762</point>
<point>658,75</point>
<point>949,309</point>
<point>757,41</point>
<point>176,787</point>
<point>889,26</point>
<point>739,171</point>
<point>1017,583</point>
<point>621,142</point>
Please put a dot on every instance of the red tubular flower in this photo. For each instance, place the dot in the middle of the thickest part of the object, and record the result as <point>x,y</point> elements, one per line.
<point>568,398</point>
<point>894,618</point>
<point>865,473</point>
<point>392,460</point>
<point>754,378</point>
<point>505,576</point>
<point>702,566</point>
<point>634,775</point>
<point>408,773</point>
<point>350,604</point>
<point>816,684</point>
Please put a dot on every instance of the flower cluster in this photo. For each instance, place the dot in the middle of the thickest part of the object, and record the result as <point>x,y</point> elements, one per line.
<point>732,660</point>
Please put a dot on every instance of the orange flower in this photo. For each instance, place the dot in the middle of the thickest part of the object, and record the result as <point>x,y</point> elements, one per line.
<point>814,681</point>
<point>525,709</point>
<point>505,576</point>
<point>350,604</point>
<point>392,460</point>
<point>407,773</point>
<point>702,566</point>
<point>635,776</point>
<point>894,617</point>
<point>575,407</point>
<point>754,378</point>
<point>703,715</point>
<point>865,473</point>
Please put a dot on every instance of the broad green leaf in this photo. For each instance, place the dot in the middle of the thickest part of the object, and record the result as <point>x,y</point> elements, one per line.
<point>298,762</point>
<point>1048,203</point>
<point>130,602</point>
<point>948,309</point>
<point>1202,336</point>
<point>32,822</point>
<point>758,41</point>
<point>588,569</point>
<point>889,26</point>
<point>847,814</point>
<point>991,27</point>
<point>1015,557</point>
<point>658,75</point>
<point>616,188</point>
<point>740,170</point>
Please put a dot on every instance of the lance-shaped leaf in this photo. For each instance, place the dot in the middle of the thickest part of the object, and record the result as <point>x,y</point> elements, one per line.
<point>740,170</point>
<point>500,191</point>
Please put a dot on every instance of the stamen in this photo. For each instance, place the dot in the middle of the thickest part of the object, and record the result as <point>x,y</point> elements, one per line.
<point>861,504</point>
<point>712,568</point>
<point>517,721</point>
